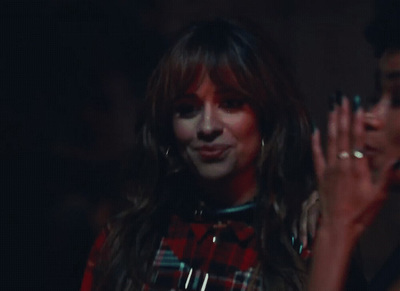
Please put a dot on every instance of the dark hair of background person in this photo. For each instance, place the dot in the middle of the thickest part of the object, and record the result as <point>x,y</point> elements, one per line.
<point>163,186</point>
<point>383,32</point>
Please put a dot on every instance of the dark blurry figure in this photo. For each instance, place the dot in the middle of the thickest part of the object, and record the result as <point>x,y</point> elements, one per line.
<point>75,73</point>
<point>377,262</point>
<point>361,171</point>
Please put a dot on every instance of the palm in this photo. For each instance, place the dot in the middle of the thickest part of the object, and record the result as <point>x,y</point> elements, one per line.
<point>347,193</point>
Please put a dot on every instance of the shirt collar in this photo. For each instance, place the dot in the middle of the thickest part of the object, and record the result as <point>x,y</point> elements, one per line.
<point>241,230</point>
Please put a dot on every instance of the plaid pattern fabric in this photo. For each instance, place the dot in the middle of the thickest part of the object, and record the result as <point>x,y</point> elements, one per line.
<point>197,256</point>
<point>206,256</point>
<point>87,281</point>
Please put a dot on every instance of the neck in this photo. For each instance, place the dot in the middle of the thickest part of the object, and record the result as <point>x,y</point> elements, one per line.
<point>230,191</point>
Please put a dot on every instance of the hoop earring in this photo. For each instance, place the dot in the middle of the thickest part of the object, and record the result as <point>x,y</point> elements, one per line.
<point>172,161</point>
<point>262,149</point>
<point>166,153</point>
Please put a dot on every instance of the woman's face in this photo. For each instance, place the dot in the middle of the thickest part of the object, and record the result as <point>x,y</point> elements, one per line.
<point>383,126</point>
<point>383,120</point>
<point>383,134</point>
<point>216,131</point>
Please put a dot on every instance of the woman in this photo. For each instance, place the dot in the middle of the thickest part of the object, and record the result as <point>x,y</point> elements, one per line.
<point>350,198</point>
<point>376,260</point>
<point>359,189</point>
<point>224,164</point>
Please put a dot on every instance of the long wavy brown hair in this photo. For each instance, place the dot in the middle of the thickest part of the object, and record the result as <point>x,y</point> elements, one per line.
<point>162,185</point>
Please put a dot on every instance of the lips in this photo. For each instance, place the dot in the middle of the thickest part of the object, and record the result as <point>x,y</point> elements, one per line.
<point>371,151</point>
<point>212,152</point>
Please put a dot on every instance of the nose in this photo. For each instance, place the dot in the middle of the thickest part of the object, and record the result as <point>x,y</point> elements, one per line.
<point>210,125</point>
<point>373,119</point>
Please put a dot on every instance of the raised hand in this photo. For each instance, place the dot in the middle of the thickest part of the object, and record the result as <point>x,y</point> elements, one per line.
<point>348,195</point>
<point>349,199</point>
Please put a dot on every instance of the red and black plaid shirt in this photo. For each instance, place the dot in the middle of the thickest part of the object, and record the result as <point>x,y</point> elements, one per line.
<point>199,256</point>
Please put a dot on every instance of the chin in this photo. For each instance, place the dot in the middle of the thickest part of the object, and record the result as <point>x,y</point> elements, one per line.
<point>212,176</point>
<point>213,172</point>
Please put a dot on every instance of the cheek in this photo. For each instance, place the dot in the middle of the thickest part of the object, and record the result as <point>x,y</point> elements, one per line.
<point>247,135</point>
<point>183,130</point>
<point>393,132</point>
<point>243,124</point>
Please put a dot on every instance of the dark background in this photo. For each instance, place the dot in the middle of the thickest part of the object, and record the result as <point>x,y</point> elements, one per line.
<point>72,79</point>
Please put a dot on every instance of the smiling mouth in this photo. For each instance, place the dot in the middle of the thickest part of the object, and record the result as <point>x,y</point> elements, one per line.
<point>370,151</point>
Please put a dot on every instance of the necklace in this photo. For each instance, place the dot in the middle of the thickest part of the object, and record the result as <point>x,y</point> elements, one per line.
<point>244,212</point>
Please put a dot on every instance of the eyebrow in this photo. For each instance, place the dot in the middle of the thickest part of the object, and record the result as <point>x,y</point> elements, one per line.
<point>224,91</point>
<point>220,91</point>
<point>186,96</point>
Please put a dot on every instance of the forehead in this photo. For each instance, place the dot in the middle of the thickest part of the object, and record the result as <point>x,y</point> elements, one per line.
<point>223,78</point>
<point>389,65</point>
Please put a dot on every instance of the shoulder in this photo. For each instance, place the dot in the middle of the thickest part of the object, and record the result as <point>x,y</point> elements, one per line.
<point>94,256</point>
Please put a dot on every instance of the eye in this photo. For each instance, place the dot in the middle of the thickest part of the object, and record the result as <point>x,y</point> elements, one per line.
<point>186,108</point>
<point>232,103</point>
<point>373,100</point>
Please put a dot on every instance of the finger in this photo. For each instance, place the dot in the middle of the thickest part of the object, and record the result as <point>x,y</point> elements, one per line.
<point>314,197</point>
<point>307,217</point>
<point>303,237</point>
<point>358,128</point>
<point>360,162</point>
<point>313,217</point>
<point>332,136</point>
<point>313,213</point>
<point>303,224</point>
<point>318,155</point>
<point>343,141</point>
<point>294,232</point>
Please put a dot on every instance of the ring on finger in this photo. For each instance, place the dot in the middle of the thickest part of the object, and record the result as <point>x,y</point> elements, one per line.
<point>343,155</point>
<point>358,154</point>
